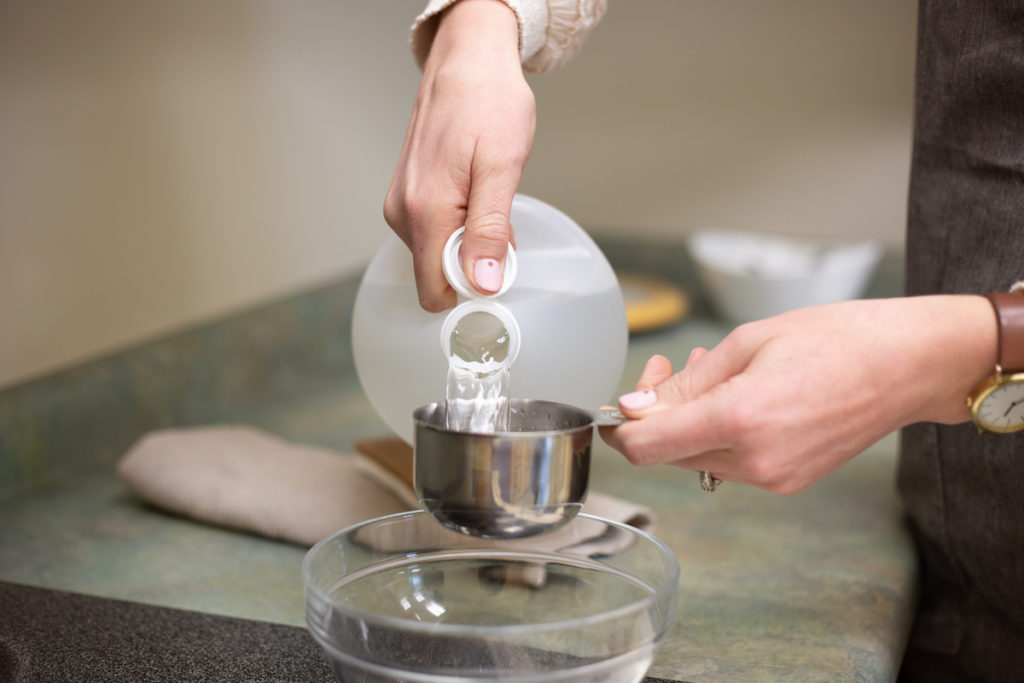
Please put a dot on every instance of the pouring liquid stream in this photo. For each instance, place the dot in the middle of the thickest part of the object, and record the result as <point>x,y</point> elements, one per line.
<point>517,483</point>
<point>477,389</point>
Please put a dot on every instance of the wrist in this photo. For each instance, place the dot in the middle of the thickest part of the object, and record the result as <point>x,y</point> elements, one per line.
<point>966,344</point>
<point>476,25</point>
<point>996,404</point>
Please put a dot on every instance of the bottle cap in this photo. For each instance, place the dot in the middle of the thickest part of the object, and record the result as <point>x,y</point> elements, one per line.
<point>451,263</point>
<point>481,306</point>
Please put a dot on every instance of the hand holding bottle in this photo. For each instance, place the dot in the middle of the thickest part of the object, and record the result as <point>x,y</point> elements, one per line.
<point>467,143</point>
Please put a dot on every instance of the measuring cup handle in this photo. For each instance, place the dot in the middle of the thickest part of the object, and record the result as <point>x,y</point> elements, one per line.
<point>609,416</point>
<point>612,417</point>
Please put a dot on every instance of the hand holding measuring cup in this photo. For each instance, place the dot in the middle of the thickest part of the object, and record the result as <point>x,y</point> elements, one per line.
<point>782,402</point>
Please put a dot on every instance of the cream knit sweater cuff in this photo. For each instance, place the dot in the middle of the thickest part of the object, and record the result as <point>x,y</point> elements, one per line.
<point>550,31</point>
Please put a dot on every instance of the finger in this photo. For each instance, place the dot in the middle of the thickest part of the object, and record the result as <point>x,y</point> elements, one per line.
<point>720,463</point>
<point>706,370</point>
<point>695,355</point>
<point>488,230</point>
<point>724,465</point>
<point>429,234</point>
<point>647,398</point>
<point>657,370</point>
<point>673,432</point>
<point>434,292</point>
<point>424,220</point>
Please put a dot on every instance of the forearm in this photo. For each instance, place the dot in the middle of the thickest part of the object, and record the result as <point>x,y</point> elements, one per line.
<point>466,145</point>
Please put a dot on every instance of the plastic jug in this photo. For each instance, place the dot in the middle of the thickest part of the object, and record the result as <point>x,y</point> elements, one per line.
<point>565,299</point>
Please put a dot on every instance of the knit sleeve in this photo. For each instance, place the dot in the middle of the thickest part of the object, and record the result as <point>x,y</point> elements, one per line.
<point>550,31</point>
<point>569,22</point>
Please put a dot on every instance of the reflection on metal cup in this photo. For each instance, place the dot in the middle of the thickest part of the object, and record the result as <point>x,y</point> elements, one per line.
<point>521,482</point>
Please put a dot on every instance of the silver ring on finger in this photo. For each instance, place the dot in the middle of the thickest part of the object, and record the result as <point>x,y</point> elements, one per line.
<point>709,482</point>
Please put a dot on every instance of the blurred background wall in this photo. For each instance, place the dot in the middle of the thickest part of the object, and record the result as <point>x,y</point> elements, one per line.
<point>169,161</point>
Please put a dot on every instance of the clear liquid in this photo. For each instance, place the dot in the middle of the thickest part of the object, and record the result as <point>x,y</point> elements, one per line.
<point>477,402</point>
<point>480,341</point>
<point>477,388</point>
<point>575,336</point>
<point>489,591</point>
<point>472,596</point>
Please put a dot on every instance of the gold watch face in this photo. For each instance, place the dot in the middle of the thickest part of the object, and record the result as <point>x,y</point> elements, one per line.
<point>999,407</point>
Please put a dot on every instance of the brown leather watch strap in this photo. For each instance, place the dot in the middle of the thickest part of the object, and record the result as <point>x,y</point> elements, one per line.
<point>1010,315</point>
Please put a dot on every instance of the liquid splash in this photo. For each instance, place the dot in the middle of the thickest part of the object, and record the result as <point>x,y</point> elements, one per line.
<point>477,393</point>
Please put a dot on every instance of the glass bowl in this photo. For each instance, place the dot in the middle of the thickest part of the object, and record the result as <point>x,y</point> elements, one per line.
<point>402,598</point>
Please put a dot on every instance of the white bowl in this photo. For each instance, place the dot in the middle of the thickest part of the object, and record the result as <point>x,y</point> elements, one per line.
<point>749,276</point>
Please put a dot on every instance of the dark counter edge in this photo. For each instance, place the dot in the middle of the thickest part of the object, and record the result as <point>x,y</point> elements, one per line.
<point>51,635</point>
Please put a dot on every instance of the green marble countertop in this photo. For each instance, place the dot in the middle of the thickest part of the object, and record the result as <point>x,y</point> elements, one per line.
<point>817,586</point>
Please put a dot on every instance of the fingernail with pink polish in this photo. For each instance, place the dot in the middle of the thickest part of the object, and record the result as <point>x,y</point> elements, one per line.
<point>487,274</point>
<point>638,400</point>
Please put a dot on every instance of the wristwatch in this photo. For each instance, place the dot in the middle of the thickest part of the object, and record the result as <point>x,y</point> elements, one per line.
<point>997,404</point>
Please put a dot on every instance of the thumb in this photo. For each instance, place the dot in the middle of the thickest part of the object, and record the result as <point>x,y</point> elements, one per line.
<point>488,232</point>
<point>694,379</point>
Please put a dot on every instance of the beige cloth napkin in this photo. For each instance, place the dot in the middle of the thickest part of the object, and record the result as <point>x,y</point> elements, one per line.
<point>244,478</point>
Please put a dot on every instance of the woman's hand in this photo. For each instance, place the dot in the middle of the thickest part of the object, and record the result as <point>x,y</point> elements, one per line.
<point>465,149</point>
<point>782,402</point>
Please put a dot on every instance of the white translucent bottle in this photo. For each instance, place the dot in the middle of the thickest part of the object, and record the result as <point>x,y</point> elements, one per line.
<point>565,300</point>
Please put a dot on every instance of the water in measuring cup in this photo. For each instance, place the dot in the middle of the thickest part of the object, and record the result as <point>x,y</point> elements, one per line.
<point>477,390</point>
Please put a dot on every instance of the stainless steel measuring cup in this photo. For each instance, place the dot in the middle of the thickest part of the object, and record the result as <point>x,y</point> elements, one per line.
<point>521,482</point>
